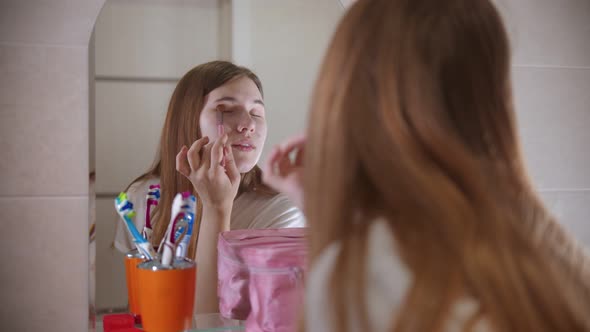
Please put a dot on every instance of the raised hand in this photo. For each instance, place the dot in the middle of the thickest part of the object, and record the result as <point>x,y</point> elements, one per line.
<point>211,168</point>
<point>285,174</point>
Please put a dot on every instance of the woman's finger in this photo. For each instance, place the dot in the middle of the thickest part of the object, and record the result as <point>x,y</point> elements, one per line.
<point>182,165</point>
<point>206,157</point>
<point>217,152</point>
<point>268,167</point>
<point>293,143</point>
<point>272,160</point>
<point>284,163</point>
<point>300,154</point>
<point>193,154</point>
<point>272,175</point>
<point>231,168</point>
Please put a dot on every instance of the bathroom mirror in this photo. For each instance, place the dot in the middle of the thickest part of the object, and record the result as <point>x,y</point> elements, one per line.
<point>141,48</point>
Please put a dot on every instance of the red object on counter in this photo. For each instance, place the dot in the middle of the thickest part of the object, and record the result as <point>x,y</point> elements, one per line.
<point>118,323</point>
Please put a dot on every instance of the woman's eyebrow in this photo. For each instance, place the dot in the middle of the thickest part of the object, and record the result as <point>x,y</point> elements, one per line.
<point>230,99</point>
<point>234,100</point>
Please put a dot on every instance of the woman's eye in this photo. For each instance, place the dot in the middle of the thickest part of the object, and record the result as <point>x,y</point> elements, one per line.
<point>257,113</point>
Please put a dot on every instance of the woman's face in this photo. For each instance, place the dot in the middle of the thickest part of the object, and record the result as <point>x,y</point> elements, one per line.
<point>244,120</point>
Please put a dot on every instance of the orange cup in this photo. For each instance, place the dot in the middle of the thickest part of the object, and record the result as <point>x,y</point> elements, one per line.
<point>167,295</point>
<point>132,259</point>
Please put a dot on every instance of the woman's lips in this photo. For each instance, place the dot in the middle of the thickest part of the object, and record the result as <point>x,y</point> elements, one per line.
<point>245,147</point>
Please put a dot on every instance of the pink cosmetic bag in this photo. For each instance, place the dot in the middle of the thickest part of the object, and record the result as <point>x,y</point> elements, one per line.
<point>261,273</point>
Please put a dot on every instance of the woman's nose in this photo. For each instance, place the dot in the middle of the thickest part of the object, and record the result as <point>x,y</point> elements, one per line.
<point>246,124</point>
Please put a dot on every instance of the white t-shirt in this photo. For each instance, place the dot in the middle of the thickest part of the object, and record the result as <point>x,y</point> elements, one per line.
<point>250,211</point>
<point>387,282</point>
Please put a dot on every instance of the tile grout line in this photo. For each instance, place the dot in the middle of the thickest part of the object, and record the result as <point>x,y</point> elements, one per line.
<point>7,197</point>
<point>548,190</point>
<point>25,44</point>
<point>533,66</point>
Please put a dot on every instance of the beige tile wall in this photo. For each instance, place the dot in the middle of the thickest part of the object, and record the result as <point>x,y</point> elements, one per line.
<point>44,164</point>
<point>551,77</point>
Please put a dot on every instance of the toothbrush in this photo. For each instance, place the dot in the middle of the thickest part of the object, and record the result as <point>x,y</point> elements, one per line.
<point>220,129</point>
<point>171,239</point>
<point>152,198</point>
<point>188,209</point>
<point>125,210</point>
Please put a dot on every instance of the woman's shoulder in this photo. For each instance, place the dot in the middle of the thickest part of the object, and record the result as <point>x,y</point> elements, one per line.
<point>262,210</point>
<point>384,265</point>
<point>381,248</point>
<point>278,201</point>
<point>387,280</point>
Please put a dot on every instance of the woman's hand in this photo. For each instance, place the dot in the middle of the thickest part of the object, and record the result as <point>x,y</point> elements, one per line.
<point>212,170</point>
<point>284,174</point>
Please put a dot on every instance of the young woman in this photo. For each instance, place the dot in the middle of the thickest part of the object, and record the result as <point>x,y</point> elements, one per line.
<point>218,166</point>
<point>421,214</point>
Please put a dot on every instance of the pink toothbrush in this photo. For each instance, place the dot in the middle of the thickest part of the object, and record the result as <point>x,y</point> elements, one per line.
<point>152,198</point>
<point>220,129</point>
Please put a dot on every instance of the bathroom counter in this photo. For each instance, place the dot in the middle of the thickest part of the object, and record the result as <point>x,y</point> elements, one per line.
<point>203,323</point>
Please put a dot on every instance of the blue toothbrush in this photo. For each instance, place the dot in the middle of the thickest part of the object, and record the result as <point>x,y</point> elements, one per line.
<point>125,210</point>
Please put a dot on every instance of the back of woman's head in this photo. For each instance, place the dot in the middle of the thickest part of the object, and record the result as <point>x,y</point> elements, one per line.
<point>412,121</point>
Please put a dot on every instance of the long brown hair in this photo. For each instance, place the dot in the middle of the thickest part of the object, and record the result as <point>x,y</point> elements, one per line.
<point>412,121</point>
<point>181,127</point>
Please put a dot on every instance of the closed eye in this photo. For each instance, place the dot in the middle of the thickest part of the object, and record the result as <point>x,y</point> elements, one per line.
<point>228,108</point>
<point>257,114</point>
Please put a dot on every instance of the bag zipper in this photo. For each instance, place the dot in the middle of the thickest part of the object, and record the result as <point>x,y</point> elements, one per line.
<point>274,270</point>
